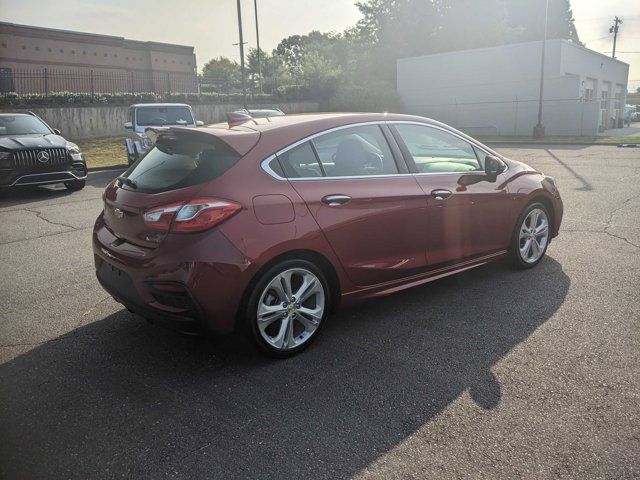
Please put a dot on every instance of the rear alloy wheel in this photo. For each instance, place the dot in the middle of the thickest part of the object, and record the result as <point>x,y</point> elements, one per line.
<point>531,237</point>
<point>288,308</point>
<point>74,185</point>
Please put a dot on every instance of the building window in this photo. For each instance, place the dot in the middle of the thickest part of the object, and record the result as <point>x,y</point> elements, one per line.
<point>95,54</point>
<point>589,94</point>
<point>37,49</point>
<point>115,55</point>
<point>61,51</point>
<point>84,52</point>
<point>73,52</point>
<point>49,50</point>
<point>604,100</point>
<point>4,45</point>
<point>105,54</point>
<point>24,47</point>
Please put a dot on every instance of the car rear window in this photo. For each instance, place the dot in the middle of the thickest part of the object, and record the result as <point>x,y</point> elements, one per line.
<point>179,162</point>
<point>159,116</point>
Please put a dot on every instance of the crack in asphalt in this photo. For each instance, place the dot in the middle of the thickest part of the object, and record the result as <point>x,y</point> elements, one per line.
<point>44,235</point>
<point>54,204</point>
<point>612,214</point>
<point>41,216</point>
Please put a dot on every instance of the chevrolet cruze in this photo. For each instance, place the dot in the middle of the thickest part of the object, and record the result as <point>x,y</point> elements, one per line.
<point>266,225</point>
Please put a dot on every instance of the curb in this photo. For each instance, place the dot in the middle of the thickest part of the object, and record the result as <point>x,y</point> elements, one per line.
<point>106,168</point>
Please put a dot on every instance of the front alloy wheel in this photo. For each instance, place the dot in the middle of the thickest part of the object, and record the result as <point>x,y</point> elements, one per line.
<point>532,236</point>
<point>290,308</point>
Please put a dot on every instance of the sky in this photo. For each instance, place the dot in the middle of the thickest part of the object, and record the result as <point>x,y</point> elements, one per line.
<point>211,25</point>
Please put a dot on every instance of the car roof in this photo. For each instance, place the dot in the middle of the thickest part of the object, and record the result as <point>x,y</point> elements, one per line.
<point>23,114</point>
<point>312,121</point>
<point>137,105</point>
<point>278,132</point>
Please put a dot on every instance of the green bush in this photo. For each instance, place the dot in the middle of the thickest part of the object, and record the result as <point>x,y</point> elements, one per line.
<point>66,99</point>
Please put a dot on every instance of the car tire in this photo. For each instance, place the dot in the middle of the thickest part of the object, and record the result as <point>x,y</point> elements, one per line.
<point>531,236</point>
<point>282,327</point>
<point>75,185</point>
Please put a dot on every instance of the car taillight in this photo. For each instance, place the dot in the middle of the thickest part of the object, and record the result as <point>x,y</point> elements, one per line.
<point>192,216</point>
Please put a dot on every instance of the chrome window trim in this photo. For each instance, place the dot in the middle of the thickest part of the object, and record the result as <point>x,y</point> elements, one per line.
<point>265,163</point>
<point>47,181</point>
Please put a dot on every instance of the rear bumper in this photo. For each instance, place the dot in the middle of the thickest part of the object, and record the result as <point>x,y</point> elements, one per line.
<point>192,282</point>
<point>121,287</point>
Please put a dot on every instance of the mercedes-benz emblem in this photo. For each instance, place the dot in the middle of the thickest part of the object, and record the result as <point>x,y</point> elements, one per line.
<point>118,213</point>
<point>43,156</point>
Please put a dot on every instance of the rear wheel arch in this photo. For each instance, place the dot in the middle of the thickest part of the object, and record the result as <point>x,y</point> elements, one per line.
<point>312,256</point>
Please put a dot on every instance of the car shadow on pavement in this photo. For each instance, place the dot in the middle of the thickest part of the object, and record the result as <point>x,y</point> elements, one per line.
<point>119,397</point>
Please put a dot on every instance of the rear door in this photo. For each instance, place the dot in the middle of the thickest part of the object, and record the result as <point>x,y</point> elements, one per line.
<point>467,214</point>
<point>369,208</point>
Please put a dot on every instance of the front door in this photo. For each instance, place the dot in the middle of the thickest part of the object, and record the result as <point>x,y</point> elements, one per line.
<point>373,217</point>
<point>467,214</point>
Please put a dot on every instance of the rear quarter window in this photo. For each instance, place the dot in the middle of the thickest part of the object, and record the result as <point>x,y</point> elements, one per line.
<point>178,162</point>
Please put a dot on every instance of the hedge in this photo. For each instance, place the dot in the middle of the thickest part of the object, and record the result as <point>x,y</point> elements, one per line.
<point>60,99</point>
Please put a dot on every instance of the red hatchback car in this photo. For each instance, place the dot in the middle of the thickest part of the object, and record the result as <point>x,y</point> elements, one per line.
<point>269,224</point>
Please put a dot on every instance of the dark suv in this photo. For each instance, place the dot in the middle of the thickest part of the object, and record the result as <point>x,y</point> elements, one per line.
<point>32,153</point>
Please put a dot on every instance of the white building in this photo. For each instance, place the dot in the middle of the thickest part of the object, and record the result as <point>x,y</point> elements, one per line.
<point>495,90</point>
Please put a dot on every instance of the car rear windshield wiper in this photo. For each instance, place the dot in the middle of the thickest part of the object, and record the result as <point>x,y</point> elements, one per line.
<point>127,181</point>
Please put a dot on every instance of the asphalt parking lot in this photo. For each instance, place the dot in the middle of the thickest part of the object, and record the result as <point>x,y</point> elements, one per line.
<point>491,373</point>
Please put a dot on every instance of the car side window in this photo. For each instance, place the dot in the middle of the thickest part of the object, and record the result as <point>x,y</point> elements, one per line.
<point>354,152</point>
<point>300,162</point>
<point>436,151</point>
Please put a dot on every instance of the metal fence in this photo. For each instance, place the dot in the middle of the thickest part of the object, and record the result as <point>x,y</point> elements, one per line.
<point>45,81</point>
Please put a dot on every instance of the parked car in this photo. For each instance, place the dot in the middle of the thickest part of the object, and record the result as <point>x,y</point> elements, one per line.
<point>146,115</point>
<point>33,153</point>
<point>268,225</point>
<point>261,112</point>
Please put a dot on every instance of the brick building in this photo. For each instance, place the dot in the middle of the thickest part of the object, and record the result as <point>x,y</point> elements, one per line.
<point>43,60</point>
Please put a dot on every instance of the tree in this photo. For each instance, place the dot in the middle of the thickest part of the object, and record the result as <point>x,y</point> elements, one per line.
<point>221,75</point>
<point>273,71</point>
<point>525,20</point>
<point>290,50</point>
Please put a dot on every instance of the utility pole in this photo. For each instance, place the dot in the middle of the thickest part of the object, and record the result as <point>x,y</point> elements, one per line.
<point>538,130</point>
<point>244,89</point>
<point>255,7</point>
<point>614,30</point>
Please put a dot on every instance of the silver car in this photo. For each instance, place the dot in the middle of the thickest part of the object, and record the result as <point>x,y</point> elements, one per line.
<point>152,115</point>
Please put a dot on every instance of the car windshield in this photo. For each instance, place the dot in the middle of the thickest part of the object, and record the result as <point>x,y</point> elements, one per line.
<point>159,116</point>
<point>22,125</point>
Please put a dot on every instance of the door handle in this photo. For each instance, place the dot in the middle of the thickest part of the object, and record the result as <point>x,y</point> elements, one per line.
<point>441,194</point>
<point>335,200</point>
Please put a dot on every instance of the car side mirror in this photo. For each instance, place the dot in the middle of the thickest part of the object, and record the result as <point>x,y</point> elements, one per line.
<point>199,123</point>
<point>128,125</point>
<point>57,132</point>
<point>493,167</point>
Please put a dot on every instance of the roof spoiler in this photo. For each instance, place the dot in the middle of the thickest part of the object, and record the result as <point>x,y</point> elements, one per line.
<point>238,118</point>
